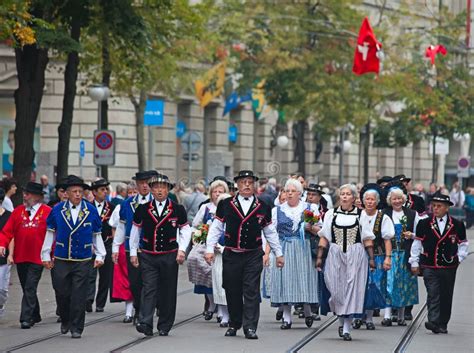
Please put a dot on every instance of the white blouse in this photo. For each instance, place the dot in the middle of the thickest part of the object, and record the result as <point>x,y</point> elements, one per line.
<point>344,220</point>
<point>295,213</point>
<point>202,211</point>
<point>396,215</point>
<point>387,229</point>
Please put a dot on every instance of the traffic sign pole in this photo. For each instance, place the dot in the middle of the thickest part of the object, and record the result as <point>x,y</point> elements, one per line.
<point>189,162</point>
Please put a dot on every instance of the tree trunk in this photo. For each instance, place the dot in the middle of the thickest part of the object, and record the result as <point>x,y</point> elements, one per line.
<point>139,120</point>
<point>366,152</point>
<point>106,73</point>
<point>70,80</point>
<point>301,147</point>
<point>31,64</point>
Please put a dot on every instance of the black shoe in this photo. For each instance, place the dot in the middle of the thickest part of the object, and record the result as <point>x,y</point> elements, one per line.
<point>386,322</point>
<point>231,332</point>
<point>219,319</point>
<point>58,320</point>
<point>357,323</point>
<point>208,315</point>
<point>99,310</point>
<point>76,335</point>
<point>376,313</point>
<point>309,321</point>
<point>163,333</point>
<point>408,317</point>
<point>370,326</point>
<point>142,328</point>
<point>64,328</point>
<point>127,319</point>
<point>279,315</point>
<point>251,334</point>
<point>394,318</point>
<point>36,321</point>
<point>433,327</point>
<point>88,307</point>
<point>347,337</point>
<point>340,331</point>
<point>443,330</point>
<point>285,326</point>
<point>25,325</point>
<point>401,322</point>
<point>316,317</point>
<point>224,324</point>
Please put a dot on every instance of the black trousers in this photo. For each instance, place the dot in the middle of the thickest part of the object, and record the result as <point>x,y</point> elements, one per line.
<point>71,279</point>
<point>29,275</point>
<point>159,271</point>
<point>439,285</point>
<point>241,281</point>
<point>135,280</point>
<point>105,279</point>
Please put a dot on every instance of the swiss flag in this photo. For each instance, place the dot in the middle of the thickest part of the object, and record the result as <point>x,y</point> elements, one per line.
<point>365,56</point>
<point>433,50</point>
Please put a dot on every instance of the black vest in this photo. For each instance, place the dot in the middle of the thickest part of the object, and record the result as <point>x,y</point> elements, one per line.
<point>105,214</point>
<point>243,232</point>
<point>159,233</point>
<point>379,242</point>
<point>345,236</point>
<point>440,250</point>
<point>405,244</point>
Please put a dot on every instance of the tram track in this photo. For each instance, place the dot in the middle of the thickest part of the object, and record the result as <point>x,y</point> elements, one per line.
<point>141,340</point>
<point>87,324</point>
<point>411,330</point>
<point>312,335</point>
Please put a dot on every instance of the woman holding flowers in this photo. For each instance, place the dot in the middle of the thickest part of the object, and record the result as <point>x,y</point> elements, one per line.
<point>199,271</point>
<point>402,286</point>
<point>297,282</point>
<point>345,271</point>
<point>383,229</point>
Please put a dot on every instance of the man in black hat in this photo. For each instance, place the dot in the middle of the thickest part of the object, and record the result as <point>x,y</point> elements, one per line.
<point>414,202</point>
<point>122,233</point>
<point>27,228</point>
<point>244,218</point>
<point>314,195</point>
<point>100,189</point>
<point>162,226</point>
<point>439,247</point>
<point>76,227</point>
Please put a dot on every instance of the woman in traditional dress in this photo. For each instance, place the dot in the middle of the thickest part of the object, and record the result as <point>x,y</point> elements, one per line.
<point>297,282</point>
<point>384,231</point>
<point>199,271</point>
<point>218,292</point>
<point>345,270</point>
<point>402,285</point>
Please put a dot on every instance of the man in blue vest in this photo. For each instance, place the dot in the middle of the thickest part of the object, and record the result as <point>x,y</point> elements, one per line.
<point>122,233</point>
<point>75,225</point>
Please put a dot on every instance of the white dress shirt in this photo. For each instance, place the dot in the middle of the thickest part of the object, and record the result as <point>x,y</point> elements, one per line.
<point>119,237</point>
<point>245,203</point>
<point>99,206</point>
<point>442,223</point>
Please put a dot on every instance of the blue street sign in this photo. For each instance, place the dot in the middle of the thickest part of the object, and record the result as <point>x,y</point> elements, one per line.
<point>82,149</point>
<point>180,128</point>
<point>154,111</point>
<point>233,133</point>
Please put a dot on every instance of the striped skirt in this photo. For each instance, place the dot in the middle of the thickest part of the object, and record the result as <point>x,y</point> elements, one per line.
<point>199,271</point>
<point>297,281</point>
<point>217,290</point>
<point>345,275</point>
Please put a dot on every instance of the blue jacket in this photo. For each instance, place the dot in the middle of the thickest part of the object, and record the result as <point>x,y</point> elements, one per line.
<point>127,212</point>
<point>74,240</point>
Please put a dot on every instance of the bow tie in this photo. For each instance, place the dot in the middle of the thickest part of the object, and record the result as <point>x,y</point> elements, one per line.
<point>246,198</point>
<point>143,198</point>
<point>28,212</point>
<point>73,207</point>
<point>160,204</point>
<point>440,220</point>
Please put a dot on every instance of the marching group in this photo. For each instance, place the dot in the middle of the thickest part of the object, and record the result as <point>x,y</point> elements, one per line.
<point>242,246</point>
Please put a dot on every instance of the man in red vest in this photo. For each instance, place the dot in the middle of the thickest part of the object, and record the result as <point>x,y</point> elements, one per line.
<point>27,227</point>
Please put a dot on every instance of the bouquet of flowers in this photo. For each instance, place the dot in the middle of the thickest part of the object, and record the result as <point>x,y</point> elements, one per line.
<point>310,217</point>
<point>404,222</point>
<point>200,234</point>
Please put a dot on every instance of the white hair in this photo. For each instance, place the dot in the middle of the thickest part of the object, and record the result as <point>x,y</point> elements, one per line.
<point>295,183</point>
<point>372,192</point>
<point>352,189</point>
<point>216,184</point>
<point>395,192</point>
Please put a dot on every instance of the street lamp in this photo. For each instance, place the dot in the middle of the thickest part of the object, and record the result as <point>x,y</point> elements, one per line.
<point>99,93</point>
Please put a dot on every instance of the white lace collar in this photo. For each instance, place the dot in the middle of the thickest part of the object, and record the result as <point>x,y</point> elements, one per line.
<point>294,213</point>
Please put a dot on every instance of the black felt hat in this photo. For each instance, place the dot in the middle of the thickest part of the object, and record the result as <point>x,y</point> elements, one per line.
<point>315,188</point>
<point>395,185</point>
<point>439,197</point>
<point>98,183</point>
<point>34,188</point>
<point>401,178</point>
<point>384,179</point>
<point>245,174</point>
<point>160,178</point>
<point>371,186</point>
<point>145,175</point>
<point>73,180</point>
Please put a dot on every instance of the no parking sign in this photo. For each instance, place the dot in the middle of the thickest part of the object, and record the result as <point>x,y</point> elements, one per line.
<point>104,147</point>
